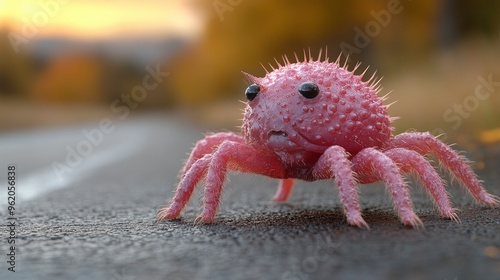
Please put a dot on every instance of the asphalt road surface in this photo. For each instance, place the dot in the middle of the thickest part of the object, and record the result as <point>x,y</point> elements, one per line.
<point>92,216</point>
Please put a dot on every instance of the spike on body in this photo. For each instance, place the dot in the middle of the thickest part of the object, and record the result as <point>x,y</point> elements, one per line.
<point>314,120</point>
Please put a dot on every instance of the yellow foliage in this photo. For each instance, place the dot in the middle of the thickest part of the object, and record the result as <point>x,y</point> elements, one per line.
<point>240,36</point>
<point>490,136</point>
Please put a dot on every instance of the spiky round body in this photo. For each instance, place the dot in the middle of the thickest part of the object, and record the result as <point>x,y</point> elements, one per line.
<point>346,112</point>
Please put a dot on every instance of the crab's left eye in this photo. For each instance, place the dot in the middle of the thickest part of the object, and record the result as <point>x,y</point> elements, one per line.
<point>309,90</point>
<point>252,91</point>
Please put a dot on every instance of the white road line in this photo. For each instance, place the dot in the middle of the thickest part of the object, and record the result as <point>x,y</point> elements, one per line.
<point>45,180</point>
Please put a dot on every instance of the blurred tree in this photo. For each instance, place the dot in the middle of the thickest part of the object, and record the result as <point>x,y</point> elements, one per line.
<point>70,78</point>
<point>121,77</point>
<point>478,17</point>
<point>15,69</point>
<point>88,79</point>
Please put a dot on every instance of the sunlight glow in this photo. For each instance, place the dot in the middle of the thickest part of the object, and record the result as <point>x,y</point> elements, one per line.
<point>91,19</point>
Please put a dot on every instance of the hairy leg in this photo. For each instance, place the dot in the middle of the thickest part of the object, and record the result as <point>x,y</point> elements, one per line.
<point>412,162</point>
<point>236,156</point>
<point>372,165</point>
<point>195,170</point>
<point>207,146</point>
<point>335,164</point>
<point>185,188</point>
<point>425,143</point>
<point>284,190</point>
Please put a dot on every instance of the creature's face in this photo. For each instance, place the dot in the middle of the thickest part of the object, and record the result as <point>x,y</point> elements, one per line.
<point>307,107</point>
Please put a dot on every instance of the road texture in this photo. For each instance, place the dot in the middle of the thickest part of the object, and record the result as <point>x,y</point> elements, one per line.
<point>101,223</point>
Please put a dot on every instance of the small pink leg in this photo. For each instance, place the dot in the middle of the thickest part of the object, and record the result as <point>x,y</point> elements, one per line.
<point>240,157</point>
<point>372,165</point>
<point>424,143</point>
<point>185,189</point>
<point>194,170</point>
<point>334,163</point>
<point>207,146</point>
<point>412,162</point>
<point>284,189</point>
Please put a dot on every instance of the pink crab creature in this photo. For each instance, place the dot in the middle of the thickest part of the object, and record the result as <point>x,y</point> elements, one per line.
<point>316,120</point>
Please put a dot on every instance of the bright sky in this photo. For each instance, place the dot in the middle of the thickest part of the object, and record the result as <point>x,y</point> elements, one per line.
<point>99,18</point>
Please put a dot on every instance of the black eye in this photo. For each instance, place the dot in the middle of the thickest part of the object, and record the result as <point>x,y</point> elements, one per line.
<point>309,90</point>
<point>252,91</point>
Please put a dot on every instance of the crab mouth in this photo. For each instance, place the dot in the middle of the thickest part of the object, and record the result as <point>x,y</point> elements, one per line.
<point>278,140</point>
<point>277,133</point>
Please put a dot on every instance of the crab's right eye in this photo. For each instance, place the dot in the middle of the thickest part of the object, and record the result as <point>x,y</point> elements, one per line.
<point>252,91</point>
<point>309,90</point>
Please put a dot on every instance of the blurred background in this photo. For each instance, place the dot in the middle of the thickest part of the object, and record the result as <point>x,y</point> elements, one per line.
<point>68,62</point>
